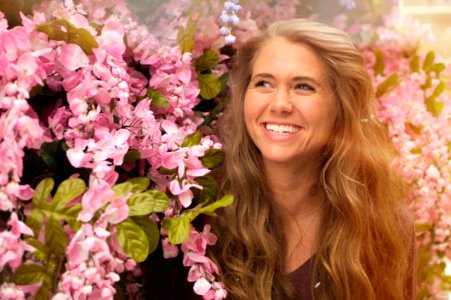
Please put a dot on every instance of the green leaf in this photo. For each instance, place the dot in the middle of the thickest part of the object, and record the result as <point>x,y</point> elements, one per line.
<point>207,61</point>
<point>144,203</point>
<point>139,184</point>
<point>165,171</point>
<point>224,80</point>
<point>57,209</point>
<point>123,188</point>
<point>42,192</point>
<point>379,65</point>
<point>185,36</point>
<point>157,98</point>
<point>67,191</point>
<point>151,230</point>
<point>416,150</point>
<point>413,128</point>
<point>41,251</point>
<point>55,237</point>
<point>192,139</point>
<point>438,68</point>
<point>71,214</point>
<point>132,156</point>
<point>45,291</point>
<point>389,83</point>
<point>428,61</point>
<point>133,240</point>
<point>212,158</point>
<point>439,89</point>
<point>427,84</point>
<point>423,227</point>
<point>223,202</point>
<point>34,220</point>
<point>434,107</point>
<point>178,229</point>
<point>210,187</point>
<point>62,30</point>
<point>27,274</point>
<point>415,64</point>
<point>209,85</point>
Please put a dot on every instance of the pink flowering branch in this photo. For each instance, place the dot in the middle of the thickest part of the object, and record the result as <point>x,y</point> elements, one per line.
<point>118,102</point>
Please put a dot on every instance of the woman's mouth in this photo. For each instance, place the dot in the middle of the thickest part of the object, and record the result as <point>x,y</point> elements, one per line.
<point>281,129</point>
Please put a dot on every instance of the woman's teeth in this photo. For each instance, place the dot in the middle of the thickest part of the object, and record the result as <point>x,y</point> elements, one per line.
<point>281,129</point>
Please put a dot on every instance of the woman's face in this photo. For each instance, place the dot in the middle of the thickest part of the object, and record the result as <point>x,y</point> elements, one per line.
<point>289,107</point>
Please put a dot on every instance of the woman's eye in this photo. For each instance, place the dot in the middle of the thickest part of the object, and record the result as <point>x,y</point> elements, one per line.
<point>263,84</point>
<point>304,87</point>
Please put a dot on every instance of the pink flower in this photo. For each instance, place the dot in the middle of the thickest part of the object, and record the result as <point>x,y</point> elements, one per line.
<point>27,64</point>
<point>73,57</point>
<point>113,43</point>
<point>432,172</point>
<point>201,286</point>
<point>117,211</point>
<point>172,160</point>
<point>18,227</point>
<point>183,191</point>
<point>9,291</point>
<point>169,250</point>
<point>12,247</point>
<point>77,155</point>
<point>198,242</point>
<point>75,251</point>
<point>93,199</point>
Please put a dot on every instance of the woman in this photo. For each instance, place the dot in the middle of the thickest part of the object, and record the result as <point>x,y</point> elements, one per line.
<point>317,214</point>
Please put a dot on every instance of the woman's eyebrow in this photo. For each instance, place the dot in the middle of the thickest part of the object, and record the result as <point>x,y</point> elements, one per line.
<point>263,75</point>
<point>296,78</point>
<point>307,78</point>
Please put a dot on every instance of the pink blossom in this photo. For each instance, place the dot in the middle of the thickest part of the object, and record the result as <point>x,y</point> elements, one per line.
<point>169,250</point>
<point>76,253</point>
<point>12,247</point>
<point>172,160</point>
<point>73,57</point>
<point>117,211</point>
<point>93,199</point>
<point>9,291</point>
<point>27,64</point>
<point>77,155</point>
<point>113,42</point>
<point>201,286</point>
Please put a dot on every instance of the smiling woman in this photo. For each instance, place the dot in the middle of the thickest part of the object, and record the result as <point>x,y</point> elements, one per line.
<point>289,108</point>
<point>318,212</point>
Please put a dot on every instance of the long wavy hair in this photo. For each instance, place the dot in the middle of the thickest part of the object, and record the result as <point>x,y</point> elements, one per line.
<point>365,238</point>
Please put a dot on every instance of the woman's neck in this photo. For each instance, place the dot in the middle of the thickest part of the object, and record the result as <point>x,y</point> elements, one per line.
<point>294,188</point>
<point>298,199</point>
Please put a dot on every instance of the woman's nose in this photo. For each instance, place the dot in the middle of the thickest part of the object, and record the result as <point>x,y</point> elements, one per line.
<point>281,103</point>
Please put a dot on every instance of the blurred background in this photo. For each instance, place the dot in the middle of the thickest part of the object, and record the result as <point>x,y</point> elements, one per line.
<point>437,13</point>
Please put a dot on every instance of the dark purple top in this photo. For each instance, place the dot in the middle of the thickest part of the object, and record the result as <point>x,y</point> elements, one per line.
<point>301,279</point>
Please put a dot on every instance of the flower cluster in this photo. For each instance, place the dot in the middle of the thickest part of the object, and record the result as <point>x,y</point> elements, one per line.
<point>202,270</point>
<point>229,18</point>
<point>117,109</point>
<point>92,270</point>
<point>413,104</point>
<point>12,247</point>
<point>349,4</point>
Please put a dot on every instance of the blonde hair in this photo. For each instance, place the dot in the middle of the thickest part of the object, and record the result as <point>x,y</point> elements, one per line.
<point>365,235</point>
